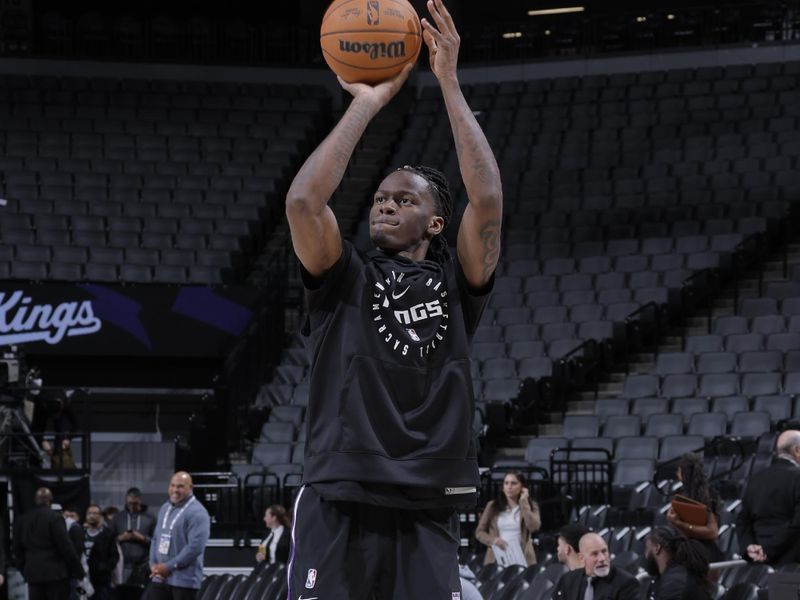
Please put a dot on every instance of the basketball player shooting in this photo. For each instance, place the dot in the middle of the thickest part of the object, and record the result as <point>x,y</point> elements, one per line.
<point>390,451</point>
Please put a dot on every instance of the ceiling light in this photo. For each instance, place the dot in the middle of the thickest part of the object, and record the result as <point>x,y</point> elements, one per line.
<point>512,34</point>
<point>556,11</point>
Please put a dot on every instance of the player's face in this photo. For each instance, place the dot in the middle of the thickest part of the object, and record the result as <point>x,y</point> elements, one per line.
<point>403,213</point>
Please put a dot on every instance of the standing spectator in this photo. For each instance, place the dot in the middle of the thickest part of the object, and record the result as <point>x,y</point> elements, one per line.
<point>109,512</point>
<point>598,579</point>
<point>75,533</point>
<point>768,524</point>
<point>180,538</point>
<point>275,547</point>
<point>44,553</point>
<point>100,550</point>
<point>679,564</point>
<point>509,521</point>
<point>134,530</point>
<point>568,549</point>
<point>696,486</point>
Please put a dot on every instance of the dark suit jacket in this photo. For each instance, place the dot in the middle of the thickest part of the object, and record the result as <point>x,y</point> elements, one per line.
<point>770,514</point>
<point>43,549</point>
<point>282,549</point>
<point>103,558</point>
<point>619,585</point>
<point>676,583</point>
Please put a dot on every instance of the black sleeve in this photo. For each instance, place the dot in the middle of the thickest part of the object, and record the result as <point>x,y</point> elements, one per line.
<point>325,292</point>
<point>629,590</point>
<point>65,546</point>
<point>473,301</point>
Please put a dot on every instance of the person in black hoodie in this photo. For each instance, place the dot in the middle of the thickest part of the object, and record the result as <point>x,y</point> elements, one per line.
<point>100,549</point>
<point>43,551</point>
<point>679,564</point>
<point>390,452</point>
<point>133,528</point>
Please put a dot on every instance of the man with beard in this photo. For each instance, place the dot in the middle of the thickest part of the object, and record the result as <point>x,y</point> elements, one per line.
<point>598,580</point>
<point>678,564</point>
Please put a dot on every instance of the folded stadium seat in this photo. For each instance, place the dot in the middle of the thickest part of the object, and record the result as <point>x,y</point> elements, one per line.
<point>500,390</point>
<point>540,283</point>
<point>754,307</point>
<point>614,296</point>
<point>300,398</point>
<point>657,246</point>
<point>512,316</point>
<point>624,247</point>
<point>205,275</point>
<point>673,446</point>
<point>497,368</point>
<point>549,314</point>
<point>488,333</point>
<point>602,443</point>
<point>702,260</point>
<point>506,300</point>
<point>101,272</point>
<point>266,454</point>
<point>766,324</point>
<point>760,384</point>
<point>630,471</point>
<point>521,253</point>
<point>744,342</point>
<point>558,349</point>
<point>778,407</point>
<point>781,290</point>
<point>507,285</point>
<point>718,384</point>
<point>718,227</point>
<point>596,330</point>
<point>768,361</point>
<point>691,244</point>
<point>657,295</point>
<point>519,350</point>
<point>524,332</point>
<point>28,271</point>
<point>485,351</point>
<point>679,386</point>
<point>751,225</point>
<point>273,432</point>
<point>594,264</point>
<point>620,425</point>
<point>581,313</point>
<point>666,262</point>
<point>106,256</point>
<point>609,281</point>
<point>750,424</point>
<point>578,297</point>
<point>136,274</point>
<point>708,425</point>
<point>523,267</point>
<point>792,361</point>
<point>27,253</point>
<point>731,324</point>
<point>554,331</point>
<point>608,407</point>
<point>631,263</point>
<point>292,374</point>
<point>575,281</point>
<point>640,386</point>
<point>643,279</point>
<point>644,407</point>
<point>535,367</point>
<point>673,363</point>
<point>581,426</point>
<point>790,306</point>
<point>287,414</point>
<point>620,311</point>
<point>686,407</point>
<point>725,242</point>
<point>539,449</point>
<point>660,425</point>
<point>64,271</point>
<point>783,342</point>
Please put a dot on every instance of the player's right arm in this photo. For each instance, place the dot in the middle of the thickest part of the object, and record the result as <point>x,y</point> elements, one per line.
<point>315,232</point>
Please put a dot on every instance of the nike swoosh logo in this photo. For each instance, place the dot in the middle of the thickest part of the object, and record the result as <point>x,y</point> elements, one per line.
<point>394,297</point>
<point>312,598</point>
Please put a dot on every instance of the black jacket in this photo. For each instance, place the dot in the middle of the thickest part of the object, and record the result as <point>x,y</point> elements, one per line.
<point>42,548</point>
<point>103,558</point>
<point>770,514</point>
<point>676,583</point>
<point>619,585</point>
<point>282,549</point>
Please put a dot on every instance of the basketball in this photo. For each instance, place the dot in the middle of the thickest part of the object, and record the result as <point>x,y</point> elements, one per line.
<point>369,41</point>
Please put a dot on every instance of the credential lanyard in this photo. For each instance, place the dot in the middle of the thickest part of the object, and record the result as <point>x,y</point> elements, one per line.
<point>178,516</point>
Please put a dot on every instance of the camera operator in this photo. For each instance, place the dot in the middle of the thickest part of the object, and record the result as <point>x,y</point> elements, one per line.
<point>52,412</point>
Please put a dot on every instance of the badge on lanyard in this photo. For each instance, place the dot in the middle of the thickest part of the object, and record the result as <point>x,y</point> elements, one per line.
<point>164,538</point>
<point>163,543</point>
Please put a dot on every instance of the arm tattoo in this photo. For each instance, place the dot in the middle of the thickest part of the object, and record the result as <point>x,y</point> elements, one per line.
<point>490,246</point>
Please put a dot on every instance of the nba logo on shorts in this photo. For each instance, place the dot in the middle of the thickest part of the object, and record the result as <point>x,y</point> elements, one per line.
<point>456,596</point>
<point>311,578</point>
<point>373,12</point>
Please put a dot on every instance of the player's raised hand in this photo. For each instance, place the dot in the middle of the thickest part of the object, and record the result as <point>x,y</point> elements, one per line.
<point>442,40</point>
<point>381,92</point>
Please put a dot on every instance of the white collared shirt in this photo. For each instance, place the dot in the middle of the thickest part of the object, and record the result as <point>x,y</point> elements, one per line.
<point>273,539</point>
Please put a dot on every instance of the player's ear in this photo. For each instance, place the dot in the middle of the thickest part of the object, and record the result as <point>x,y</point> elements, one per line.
<point>435,225</point>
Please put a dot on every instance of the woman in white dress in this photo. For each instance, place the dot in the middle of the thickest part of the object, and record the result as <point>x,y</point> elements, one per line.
<point>507,523</point>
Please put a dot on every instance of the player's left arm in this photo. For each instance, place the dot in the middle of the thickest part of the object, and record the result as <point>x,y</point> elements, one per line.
<point>479,234</point>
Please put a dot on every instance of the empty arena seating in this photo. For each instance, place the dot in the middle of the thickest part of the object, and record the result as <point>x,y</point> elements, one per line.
<point>145,181</point>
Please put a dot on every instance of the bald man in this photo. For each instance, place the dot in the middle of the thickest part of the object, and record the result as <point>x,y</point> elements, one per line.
<point>178,544</point>
<point>768,524</point>
<point>598,580</point>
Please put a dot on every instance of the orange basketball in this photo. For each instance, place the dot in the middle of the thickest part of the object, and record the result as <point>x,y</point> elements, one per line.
<point>369,41</point>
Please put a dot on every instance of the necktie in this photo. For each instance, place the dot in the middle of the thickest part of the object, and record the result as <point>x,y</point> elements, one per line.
<point>589,595</point>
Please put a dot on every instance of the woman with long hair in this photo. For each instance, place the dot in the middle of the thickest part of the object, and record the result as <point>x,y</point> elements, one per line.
<point>510,520</point>
<point>696,486</point>
<point>275,547</point>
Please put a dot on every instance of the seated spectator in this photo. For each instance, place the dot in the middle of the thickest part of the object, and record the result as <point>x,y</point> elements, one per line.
<point>508,522</point>
<point>568,550</point>
<point>275,547</point>
<point>679,564</point>
<point>696,486</point>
